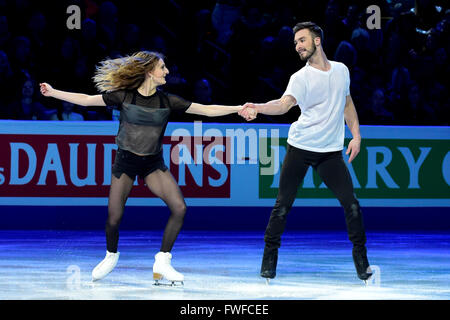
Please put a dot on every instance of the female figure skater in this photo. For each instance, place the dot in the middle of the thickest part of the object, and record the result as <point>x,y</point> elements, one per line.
<point>131,84</point>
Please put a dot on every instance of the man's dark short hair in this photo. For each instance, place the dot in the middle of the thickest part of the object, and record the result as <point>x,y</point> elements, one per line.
<point>313,28</point>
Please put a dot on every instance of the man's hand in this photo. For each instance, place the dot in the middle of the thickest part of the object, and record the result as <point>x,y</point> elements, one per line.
<point>248,111</point>
<point>353,148</point>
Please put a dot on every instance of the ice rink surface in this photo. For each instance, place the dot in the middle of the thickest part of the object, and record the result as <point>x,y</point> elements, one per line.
<point>57,265</point>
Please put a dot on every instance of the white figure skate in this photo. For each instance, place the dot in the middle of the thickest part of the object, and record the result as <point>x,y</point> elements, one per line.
<point>105,266</point>
<point>163,270</point>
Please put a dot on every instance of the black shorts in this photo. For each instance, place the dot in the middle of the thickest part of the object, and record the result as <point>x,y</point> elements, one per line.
<point>133,165</point>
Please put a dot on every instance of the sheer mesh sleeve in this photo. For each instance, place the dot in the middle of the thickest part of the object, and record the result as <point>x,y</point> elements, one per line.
<point>114,98</point>
<point>178,104</point>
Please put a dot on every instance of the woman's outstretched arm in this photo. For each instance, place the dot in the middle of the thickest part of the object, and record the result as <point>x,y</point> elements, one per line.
<point>212,110</point>
<point>75,98</point>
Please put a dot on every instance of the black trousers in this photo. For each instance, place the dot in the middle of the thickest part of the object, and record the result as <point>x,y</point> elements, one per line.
<point>333,171</point>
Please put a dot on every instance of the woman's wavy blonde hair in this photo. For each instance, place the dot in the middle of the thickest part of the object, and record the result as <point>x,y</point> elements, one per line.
<point>125,72</point>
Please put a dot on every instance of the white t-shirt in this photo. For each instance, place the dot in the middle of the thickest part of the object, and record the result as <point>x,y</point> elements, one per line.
<point>321,96</point>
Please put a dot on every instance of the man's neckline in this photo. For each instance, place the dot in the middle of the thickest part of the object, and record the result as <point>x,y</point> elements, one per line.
<point>320,70</point>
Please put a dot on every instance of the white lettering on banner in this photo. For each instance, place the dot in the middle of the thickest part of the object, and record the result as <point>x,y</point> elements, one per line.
<point>90,177</point>
<point>446,168</point>
<point>413,166</point>
<point>107,160</point>
<point>274,158</point>
<point>373,167</point>
<point>218,165</point>
<point>52,162</point>
<point>2,177</point>
<point>14,177</point>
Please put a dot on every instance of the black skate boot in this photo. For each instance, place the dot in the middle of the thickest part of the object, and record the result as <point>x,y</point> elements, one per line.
<point>357,235</point>
<point>361,263</point>
<point>269,263</point>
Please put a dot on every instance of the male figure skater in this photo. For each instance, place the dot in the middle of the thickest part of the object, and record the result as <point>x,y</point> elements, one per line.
<point>321,90</point>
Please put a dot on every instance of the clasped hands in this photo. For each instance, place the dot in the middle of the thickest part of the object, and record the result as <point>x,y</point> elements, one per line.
<point>248,111</point>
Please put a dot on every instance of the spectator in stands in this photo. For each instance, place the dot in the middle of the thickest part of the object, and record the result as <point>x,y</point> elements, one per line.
<point>26,105</point>
<point>203,91</point>
<point>224,15</point>
<point>227,39</point>
<point>21,59</point>
<point>375,112</point>
<point>5,34</point>
<point>108,25</point>
<point>347,54</point>
<point>6,86</point>
<point>68,113</point>
<point>397,89</point>
<point>91,47</point>
<point>417,111</point>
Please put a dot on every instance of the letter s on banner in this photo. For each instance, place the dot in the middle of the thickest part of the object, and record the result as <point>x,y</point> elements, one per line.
<point>15,150</point>
<point>2,177</point>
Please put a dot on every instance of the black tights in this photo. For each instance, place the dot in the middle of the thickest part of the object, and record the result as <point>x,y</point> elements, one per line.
<point>334,173</point>
<point>161,184</point>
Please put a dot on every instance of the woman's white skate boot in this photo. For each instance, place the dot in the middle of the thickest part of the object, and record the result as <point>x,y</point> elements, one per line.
<point>162,269</point>
<point>105,266</point>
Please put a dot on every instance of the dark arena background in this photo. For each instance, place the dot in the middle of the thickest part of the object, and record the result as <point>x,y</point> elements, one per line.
<point>56,157</point>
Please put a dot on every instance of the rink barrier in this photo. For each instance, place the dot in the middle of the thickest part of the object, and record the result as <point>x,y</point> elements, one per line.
<point>50,163</point>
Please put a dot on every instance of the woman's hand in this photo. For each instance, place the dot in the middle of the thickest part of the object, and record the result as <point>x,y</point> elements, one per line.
<point>46,89</point>
<point>248,111</point>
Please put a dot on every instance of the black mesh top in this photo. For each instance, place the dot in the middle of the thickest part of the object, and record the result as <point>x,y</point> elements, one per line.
<point>143,120</point>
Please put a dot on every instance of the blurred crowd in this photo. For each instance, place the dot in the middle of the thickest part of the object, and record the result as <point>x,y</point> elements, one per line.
<point>228,52</point>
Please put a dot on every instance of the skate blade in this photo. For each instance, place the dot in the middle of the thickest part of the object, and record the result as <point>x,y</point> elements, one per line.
<point>367,281</point>
<point>267,281</point>
<point>161,281</point>
<point>167,283</point>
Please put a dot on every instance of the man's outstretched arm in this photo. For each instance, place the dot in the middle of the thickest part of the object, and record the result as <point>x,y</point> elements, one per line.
<point>273,107</point>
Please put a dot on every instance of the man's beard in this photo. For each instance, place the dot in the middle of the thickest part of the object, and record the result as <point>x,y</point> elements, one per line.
<point>309,53</point>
